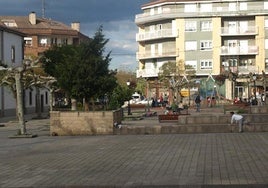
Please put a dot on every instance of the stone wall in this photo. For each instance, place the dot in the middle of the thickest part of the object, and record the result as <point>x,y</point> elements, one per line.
<point>83,123</point>
<point>220,119</point>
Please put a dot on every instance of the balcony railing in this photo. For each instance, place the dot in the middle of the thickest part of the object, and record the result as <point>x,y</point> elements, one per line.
<point>165,33</point>
<point>198,12</point>
<point>239,50</point>
<point>247,69</point>
<point>150,55</point>
<point>145,73</point>
<point>227,31</point>
<point>243,69</point>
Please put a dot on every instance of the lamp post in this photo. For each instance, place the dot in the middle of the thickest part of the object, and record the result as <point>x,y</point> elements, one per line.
<point>128,106</point>
<point>254,77</point>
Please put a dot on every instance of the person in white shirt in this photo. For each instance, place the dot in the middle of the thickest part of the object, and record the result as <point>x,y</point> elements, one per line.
<point>239,119</point>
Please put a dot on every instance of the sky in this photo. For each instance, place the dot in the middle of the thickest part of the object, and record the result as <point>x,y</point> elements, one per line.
<point>116,16</point>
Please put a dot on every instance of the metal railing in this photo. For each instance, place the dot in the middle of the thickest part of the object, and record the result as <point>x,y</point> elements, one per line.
<point>239,50</point>
<point>165,33</point>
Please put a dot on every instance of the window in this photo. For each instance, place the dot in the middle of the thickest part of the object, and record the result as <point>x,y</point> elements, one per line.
<point>54,41</point>
<point>190,26</point>
<point>206,26</point>
<point>266,64</point>
<point>266,24</point>
<point>232,62</point>
<point>152,11</point>
<point>9,23</point>
<point>190,45</point>
<point>191,63</point>
<point>46,97</point>
<point>206,64</point>
<point>206,45</point>
<point>232,6</point>
<point>30,98</point>
<point>159,10</point>
<point>64,41</point>
<point>266,44</point>
<point>159,27</point>
<point>43,41</point>
<point>190,8</point>
<point>206,7</point>
<point>243,6</point>
<point>13,56</point>
<point>265,5</point>
<point>28,41</point>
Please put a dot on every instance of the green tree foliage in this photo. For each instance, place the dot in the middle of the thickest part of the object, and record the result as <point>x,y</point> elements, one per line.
<point>82,71</point>
<point>119,96</point>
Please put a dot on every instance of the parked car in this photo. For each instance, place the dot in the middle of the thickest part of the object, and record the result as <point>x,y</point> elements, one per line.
<point>145,101</point>
<point>136,97</point>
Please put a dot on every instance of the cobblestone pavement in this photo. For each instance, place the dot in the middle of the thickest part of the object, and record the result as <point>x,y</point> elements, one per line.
<point>175,160</point>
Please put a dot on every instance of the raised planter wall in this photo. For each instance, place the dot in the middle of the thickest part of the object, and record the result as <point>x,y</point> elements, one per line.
<point>220,119</point>
<point>83,123</point>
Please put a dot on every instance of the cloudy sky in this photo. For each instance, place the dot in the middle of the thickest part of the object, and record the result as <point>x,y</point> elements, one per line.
<point>116,16</point>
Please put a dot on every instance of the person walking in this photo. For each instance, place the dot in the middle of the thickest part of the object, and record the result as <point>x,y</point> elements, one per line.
<point>238,119</point>
<point>197,102</point>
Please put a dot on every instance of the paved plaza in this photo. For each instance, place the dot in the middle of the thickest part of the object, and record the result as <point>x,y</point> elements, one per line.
<point>167,160</point>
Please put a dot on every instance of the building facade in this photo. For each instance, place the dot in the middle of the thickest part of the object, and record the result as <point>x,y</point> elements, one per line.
<point>39,34</point>
<point>214,37</point>
<point>43,33</point>
<point>11,54</point>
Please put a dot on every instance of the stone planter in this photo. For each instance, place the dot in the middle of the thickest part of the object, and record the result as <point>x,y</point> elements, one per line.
<point>83,123</point>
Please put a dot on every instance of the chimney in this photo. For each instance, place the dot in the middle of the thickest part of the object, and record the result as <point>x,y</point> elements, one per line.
<point>76,26</point>
<point>32,18</point>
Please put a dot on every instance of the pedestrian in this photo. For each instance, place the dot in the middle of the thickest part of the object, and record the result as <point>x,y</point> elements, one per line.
<point>238,119</point>
<point>197,102</point>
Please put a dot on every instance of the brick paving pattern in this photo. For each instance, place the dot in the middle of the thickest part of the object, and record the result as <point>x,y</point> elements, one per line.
<point>167,160</point>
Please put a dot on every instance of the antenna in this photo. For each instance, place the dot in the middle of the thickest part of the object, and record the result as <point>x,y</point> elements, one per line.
<point>43,8</point>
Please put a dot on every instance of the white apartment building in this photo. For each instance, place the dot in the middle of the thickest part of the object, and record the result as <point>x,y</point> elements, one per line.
<point>212,36</point>
<point>12,55</point>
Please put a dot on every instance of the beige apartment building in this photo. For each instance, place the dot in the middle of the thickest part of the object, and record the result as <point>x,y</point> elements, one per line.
<point>212,36</point>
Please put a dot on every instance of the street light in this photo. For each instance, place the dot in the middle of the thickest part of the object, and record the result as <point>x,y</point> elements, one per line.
<point>128,106</point>
<point>254,77</point>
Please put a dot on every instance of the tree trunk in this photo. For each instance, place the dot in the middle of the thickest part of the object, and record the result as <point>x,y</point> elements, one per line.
<point>38,103</point>
<point>86,105</point>
<point>51,99</point>
<point>93,103</point>
<point>20,111</point>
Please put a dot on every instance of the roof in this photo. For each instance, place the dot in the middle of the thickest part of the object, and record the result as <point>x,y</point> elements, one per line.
<point>10,30</point>
<point>155,2</point>
<point>43,26</point>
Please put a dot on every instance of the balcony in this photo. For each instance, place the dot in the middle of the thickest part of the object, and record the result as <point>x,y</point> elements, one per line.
<point>243,69</point>
<point>228,31</point>
<point>150,55</point>
<point>165,33</point>
<point>247,69</point>
<point>145,73</point>
<point>171,13</point>
<point>239,50</point>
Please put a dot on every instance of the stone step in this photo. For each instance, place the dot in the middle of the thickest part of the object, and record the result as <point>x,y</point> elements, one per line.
<point>188,129</point>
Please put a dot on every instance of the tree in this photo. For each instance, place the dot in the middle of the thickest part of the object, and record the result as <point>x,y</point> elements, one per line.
<point>82,71</point>
<point>17,80</point>
<point>176,76</point>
